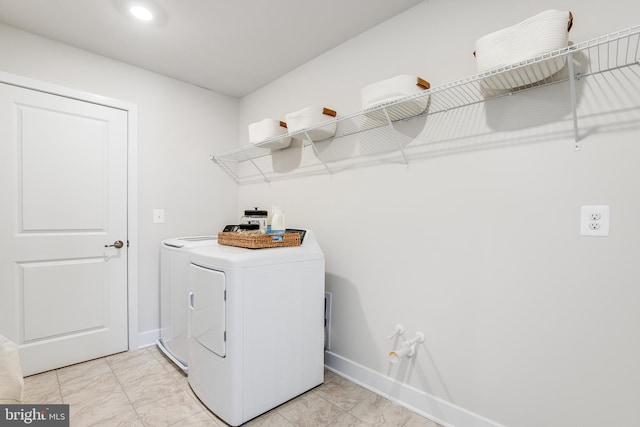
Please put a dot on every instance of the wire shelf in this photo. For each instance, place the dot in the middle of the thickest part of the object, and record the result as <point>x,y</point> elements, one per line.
<point>370,134</point>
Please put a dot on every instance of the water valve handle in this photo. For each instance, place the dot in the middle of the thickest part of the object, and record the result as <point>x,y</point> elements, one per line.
<point>399,330</point>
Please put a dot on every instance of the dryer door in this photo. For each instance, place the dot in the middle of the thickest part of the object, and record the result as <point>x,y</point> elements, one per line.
<point>207,308</point>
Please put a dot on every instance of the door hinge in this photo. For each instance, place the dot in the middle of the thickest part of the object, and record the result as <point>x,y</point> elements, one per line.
<point>127,243</point>
<point>224,336</point>
<point>225,295</point>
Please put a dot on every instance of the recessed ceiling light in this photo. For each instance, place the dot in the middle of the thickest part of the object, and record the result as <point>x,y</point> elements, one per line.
<point>141,13</point>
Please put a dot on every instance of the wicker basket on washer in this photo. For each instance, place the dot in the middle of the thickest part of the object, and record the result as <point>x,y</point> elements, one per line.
<point>258,241</point>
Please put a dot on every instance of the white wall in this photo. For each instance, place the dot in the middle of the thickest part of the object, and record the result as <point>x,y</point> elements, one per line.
<point>477,244</point>
<point>179,126</point>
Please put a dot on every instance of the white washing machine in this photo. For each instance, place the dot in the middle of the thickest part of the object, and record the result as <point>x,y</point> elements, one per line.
<point>256,326</point>
<point>174,292</point>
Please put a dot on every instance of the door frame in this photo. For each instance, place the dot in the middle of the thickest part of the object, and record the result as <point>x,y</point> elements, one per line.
<point>132,180</point>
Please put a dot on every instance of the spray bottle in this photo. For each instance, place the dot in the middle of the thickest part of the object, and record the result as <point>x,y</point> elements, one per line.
<point>277,221</point>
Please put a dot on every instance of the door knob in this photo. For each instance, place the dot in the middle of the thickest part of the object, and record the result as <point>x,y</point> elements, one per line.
<point>117,244</point>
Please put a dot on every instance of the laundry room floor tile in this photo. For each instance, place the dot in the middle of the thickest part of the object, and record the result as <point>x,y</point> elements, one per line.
<point>135,366</point>
<point>343,393</point>
<point>349,420</point>
<point>42,388</point>
<point>270,419</point>
<point>149,389</point>
<point>310,410</point>
<point>143,388</point>
<point>204,418</point>
<point>379,411</point>
<point>91,368</point>
<point>169,410</point>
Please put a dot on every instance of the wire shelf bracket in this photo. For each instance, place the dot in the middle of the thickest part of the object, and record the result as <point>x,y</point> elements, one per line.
<point>572,94</point>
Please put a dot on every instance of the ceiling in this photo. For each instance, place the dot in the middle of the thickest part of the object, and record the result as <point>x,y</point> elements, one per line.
<point>233,47</point>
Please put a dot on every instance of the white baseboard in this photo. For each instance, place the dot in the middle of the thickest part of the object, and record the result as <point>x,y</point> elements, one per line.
<point>425,404</point>
<point>147,338</point>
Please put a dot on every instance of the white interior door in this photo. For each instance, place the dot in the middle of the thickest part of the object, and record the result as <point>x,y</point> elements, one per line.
<point>63,191</point>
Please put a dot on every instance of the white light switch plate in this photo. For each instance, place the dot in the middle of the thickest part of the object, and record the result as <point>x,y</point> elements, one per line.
<point>158,216</point>
<point>594,221</point>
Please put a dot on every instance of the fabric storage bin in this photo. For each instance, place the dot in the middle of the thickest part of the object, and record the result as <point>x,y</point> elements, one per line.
<point>392,89</point>
<point>267,129</point>
<point>539,34</point>
<point>312,116</point>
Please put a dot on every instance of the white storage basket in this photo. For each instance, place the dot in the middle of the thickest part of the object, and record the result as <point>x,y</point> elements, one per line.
<point>269,128</point>
<point>310,117</point>
<point>392,89</point>
<point>539,34</point>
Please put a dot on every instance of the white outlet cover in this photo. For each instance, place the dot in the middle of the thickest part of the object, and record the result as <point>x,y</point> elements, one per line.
<point>591,227</point>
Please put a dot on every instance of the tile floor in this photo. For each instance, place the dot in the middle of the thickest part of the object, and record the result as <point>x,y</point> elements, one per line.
<point>143,388</point>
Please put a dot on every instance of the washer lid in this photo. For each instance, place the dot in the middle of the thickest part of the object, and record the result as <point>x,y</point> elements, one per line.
<point>189,242</point>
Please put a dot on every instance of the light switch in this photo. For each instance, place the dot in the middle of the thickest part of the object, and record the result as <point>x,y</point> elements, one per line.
<point>158,216</point>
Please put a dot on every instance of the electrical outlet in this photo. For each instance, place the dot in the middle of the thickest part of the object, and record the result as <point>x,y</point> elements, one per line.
<point>594,221</point>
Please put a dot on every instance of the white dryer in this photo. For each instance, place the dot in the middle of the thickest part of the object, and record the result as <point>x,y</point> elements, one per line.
<point>256,326</point>
<point>174,277</point>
